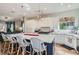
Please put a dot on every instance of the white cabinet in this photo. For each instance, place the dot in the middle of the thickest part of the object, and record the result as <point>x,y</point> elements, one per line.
<point>59,39</point>
<point>71,41</point>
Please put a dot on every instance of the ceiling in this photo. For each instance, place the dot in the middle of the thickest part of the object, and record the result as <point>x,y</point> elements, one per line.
<point>16,10</point>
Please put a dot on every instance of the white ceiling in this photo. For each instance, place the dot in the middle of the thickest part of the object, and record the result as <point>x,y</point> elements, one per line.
<point>14,10</point>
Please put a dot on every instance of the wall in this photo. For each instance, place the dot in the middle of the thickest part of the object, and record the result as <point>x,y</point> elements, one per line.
<point>2,26</point>
<point>52,22</point>
<point>31,25</point>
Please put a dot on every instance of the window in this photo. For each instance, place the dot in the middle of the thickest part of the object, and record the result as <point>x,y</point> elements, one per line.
<point>10,27</point>
<point>66,23</point>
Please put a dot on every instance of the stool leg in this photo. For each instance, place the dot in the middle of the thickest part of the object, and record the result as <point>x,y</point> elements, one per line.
<point>46,52</point>
<point>38,53</point>
<point>16,48</point>
<point>30,50</point>
<point>33,52</point>
<point>12,48</point>
<point>23,50</point>
<point>0,47</point>
<point>18,51</point>
<point>4,47</point>
<point>8,52</point>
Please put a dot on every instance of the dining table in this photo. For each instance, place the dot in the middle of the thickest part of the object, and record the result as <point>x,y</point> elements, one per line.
<point>48,40</point>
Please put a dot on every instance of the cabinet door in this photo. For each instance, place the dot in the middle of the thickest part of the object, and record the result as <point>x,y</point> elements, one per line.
<point>59,39</point>
<point>70,41</point>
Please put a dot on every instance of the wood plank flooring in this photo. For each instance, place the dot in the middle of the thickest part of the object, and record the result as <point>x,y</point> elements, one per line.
<point>59,50</point>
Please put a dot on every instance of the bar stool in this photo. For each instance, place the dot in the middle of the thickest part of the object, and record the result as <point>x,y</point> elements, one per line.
<point>38,46</point>
<point>6,40</point>
<point>13,41</point>
<point>22,44</point>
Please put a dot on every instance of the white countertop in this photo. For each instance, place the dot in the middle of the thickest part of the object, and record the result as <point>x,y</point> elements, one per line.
<point>67,33</point>
<point>43,37</point>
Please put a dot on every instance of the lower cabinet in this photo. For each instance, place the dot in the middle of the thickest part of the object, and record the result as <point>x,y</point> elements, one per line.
<point>71,41</point>
<point>68,40</point>
<point>59,39</point>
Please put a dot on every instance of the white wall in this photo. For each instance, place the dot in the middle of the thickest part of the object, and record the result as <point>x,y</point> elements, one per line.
<point>52,22</point>
<point>3,26</point>
<point>31,25</point>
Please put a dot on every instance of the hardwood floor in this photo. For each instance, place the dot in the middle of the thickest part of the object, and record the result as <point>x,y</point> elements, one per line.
<point>59,50</point>
<point>63,50</point>
<point>9,53</point>
<point>0,48</point>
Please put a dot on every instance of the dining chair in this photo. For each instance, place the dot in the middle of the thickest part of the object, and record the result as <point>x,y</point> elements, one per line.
<point>38,46</point>
<point>22,44</point>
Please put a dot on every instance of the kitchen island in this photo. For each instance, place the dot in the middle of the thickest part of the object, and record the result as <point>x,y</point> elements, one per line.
<point>46,38</point>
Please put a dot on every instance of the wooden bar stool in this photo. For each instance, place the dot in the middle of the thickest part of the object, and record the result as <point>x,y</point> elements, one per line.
<point>22,44</point>
<point>6,42</point>
<point>12,45</point>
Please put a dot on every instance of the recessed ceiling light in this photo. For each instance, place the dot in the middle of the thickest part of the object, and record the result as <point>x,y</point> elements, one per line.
<point>28,9</point>
<point>24,14</point>
<point>5,17</point>
<point>22,6</point>
<point>69,5</point>
<point>26,6</point>
<point>45,8</point>
<point>13,10</point>
<point>61,4</point>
